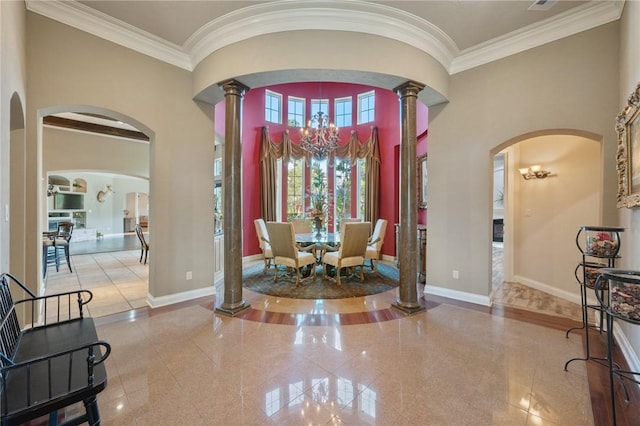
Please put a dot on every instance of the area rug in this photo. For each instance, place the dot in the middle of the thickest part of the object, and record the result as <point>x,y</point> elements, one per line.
<point>254,279</point>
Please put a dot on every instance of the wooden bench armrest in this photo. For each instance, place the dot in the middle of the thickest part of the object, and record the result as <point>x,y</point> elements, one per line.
<point>89,347</point>
<point>68,297</point>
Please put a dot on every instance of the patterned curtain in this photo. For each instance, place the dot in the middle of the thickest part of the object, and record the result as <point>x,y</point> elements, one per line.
<point>271,151</point>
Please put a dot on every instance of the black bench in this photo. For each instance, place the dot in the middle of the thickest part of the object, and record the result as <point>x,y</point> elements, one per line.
<point>51,363</point>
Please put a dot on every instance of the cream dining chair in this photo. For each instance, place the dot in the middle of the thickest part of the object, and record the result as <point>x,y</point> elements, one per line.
<point>301,226</point>
<point>265,244</point>
<point>374,248</point>
<point>286,252</point>
<point>353,245</point>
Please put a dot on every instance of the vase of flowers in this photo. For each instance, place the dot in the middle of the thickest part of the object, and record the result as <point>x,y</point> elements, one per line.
<point>319,202</point>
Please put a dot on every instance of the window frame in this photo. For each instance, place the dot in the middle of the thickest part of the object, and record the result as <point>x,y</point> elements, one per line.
<point>342,100</point>
<point>361,98</point>
<point>302,116</point>
<point>267,107</point>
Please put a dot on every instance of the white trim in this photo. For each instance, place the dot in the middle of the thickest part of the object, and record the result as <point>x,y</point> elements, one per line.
<point>268,92</point>
<point>304,109</point>
<point>370,93</point>
<point>573,21</point>
<point>252,258</point>
<point>627,350</point>
<point>571,297</point>
<point>156,302</point>
<point>388,258</point>
<point>625,345</point>
<point>458,295</point>
<point>332,15</point>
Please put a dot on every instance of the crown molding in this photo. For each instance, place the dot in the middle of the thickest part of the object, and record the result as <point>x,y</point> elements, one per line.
<point>582,18</point>
<point>99,24</point>
<point>335,15</point>
<point>332,15</point>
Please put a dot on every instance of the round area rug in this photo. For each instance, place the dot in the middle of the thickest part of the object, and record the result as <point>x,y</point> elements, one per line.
<point>254,279</point>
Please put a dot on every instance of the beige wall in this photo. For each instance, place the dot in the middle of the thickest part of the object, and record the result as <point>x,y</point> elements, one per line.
<point>12,81</point>
<point>548,212</point>
<point>69,150</point>
<point>70,67</point>
<point>568,84</point>
<point>630,218</point>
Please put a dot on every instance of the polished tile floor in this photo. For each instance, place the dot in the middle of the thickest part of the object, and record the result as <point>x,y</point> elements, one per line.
<point>450,365</point>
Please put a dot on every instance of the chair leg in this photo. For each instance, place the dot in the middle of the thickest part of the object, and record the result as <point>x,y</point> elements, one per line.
<point>146,253</point>
<point>66,253</point>
<point>55,254</point>
<point>141,254</point>
<point>362,273</point>
<point>297,277</point>
<point>275,276</point>
<point>338,282</point>
<point>93,414</point>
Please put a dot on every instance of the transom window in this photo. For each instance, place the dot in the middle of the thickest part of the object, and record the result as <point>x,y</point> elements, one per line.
<point>344,113</point>
<point>295,112</point>
<point>272,107</point>
<point>318,105</point>
<point>366,107</point>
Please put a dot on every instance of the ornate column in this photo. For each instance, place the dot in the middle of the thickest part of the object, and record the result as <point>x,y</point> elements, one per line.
<point>232,209</point>
<point>408,293</point>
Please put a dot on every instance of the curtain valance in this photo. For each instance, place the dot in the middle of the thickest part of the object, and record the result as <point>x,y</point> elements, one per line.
<point>271,151</point>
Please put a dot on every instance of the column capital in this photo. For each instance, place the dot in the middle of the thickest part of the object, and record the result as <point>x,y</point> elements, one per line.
<point>233,87</point>
<point>409,88</point>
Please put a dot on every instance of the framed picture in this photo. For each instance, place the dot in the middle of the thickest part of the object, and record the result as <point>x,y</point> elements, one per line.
<point>628,155</point>
<point>422,181</point>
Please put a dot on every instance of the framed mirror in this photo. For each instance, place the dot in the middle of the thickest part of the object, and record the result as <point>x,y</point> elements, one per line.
<point>422,181</point>
<point>628,155</point>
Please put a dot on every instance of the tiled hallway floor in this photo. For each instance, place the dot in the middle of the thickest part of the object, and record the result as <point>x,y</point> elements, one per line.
<point>118,281</point>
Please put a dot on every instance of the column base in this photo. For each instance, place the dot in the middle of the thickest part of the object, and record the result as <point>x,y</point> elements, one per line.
<point>232,311</point>
<point>408,310</point>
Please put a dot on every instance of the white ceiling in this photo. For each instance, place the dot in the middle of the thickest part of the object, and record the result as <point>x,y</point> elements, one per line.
<point>460,34</point>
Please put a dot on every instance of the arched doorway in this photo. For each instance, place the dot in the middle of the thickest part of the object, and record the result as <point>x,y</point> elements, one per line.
<point>108,152</point>
<point>542,216</point>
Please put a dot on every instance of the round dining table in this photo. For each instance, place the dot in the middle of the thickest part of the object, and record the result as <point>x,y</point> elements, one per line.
<point>318,244</point>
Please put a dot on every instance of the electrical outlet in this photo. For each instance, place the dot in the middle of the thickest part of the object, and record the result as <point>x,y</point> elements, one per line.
<point>456,274</point>
<point>189,275</point>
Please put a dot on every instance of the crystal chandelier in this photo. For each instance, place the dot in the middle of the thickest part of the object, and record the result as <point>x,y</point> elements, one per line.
<point>319,141</point>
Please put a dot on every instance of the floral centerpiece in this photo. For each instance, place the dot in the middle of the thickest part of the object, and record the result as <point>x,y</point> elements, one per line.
<point>319,202</point>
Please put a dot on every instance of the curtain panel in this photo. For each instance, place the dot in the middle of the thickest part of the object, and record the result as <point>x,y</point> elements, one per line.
<point>271,151</point>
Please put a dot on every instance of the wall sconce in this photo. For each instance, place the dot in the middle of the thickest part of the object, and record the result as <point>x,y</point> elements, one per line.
<point>534,172</point>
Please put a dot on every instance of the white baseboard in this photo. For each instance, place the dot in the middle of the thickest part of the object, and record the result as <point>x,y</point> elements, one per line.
<point>458,295</point>
<point>253,257</point>
<point>388,258</point>
<point>156,302</point>
<point>625,346</point>
<point>571,297</point>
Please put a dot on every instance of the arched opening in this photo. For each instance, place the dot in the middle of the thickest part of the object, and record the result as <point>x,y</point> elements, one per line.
<point>541,215</point>
<point>103,155</point>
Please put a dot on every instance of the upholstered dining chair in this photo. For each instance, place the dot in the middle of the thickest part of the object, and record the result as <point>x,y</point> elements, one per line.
<point>346,220</point>
<point>353,245</point>
<point>301,226</point>
<point>286,252</point>
<point>265,244</point>
<point>61,242</point>
<point>144,245</point>
<point>374,248</point>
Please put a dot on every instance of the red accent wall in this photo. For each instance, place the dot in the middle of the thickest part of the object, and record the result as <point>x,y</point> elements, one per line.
<point>422,113</point>
<point>386,119</point>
